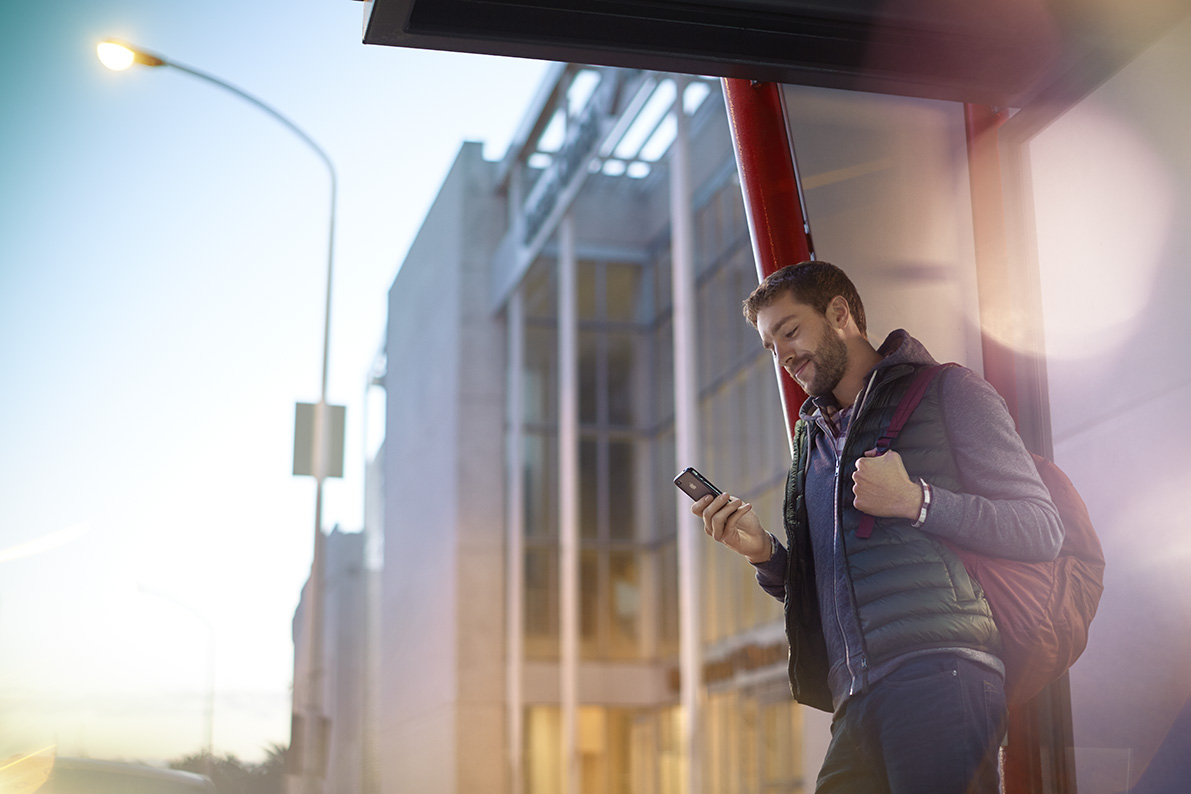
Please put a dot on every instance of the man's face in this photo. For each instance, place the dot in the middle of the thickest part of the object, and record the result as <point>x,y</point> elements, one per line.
<point>803,342</point>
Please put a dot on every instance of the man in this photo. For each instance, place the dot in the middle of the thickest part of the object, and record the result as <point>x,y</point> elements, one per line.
<point>888,632</point>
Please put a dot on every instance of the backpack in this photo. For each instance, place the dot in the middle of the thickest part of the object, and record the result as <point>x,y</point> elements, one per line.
<point>1042,609</point>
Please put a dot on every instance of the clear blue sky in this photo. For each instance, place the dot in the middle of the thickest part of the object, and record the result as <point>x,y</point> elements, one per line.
<point>162,273</point>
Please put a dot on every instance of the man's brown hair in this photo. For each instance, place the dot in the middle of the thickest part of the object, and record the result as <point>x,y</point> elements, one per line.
<point>812,283</point>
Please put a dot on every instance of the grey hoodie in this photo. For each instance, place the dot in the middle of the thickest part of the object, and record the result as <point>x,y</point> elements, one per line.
<point>1004,509</point>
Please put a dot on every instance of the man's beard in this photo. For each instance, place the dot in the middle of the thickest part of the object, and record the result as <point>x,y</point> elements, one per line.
<point>830,362</point>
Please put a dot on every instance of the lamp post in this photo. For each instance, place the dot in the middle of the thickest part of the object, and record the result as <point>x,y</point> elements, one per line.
<point>117,56</point>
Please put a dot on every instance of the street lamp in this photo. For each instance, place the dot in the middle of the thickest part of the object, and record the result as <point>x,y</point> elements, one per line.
<point>118,55</point>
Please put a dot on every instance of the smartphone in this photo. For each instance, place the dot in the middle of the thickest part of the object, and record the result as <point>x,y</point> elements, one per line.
<point>695,485</point>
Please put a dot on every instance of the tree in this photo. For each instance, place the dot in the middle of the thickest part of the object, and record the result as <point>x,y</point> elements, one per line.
<point>232,776</point>
<point>269,775</point>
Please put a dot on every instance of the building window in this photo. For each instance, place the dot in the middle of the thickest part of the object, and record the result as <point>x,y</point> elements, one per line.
<point>617,548</point>
<point>753,742</point>
<point>606,750</point>
<point>541,602</point>
<point>745,446</point>
<point>656,755</point>
<point>543,756</point>
<point>780,737</point>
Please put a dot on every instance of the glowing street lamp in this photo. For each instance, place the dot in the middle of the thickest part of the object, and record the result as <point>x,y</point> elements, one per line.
<point>117,56</point>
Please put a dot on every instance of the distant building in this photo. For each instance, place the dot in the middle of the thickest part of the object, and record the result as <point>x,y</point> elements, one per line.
<point>344,679</point>
<point>373,565</point>
<point>477,604</point>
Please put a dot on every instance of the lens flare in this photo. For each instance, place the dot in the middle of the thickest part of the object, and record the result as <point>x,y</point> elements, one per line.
<point>1105,211</point>
<point>46,543</point>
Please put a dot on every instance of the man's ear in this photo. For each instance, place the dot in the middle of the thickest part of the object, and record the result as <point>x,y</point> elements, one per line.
<point>838,312</point>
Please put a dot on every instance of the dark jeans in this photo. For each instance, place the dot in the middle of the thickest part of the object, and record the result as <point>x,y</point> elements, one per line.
<point>932,726</point>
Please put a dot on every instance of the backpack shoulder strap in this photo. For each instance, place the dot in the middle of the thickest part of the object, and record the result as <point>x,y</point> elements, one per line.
<point>901,415</point>
<point>909,402</point>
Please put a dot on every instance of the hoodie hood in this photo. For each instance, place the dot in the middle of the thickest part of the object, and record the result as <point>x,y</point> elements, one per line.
<point>901,348</point>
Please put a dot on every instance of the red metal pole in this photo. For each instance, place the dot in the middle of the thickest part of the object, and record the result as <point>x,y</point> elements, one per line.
<point>772,200</point>
<point>992,257</point>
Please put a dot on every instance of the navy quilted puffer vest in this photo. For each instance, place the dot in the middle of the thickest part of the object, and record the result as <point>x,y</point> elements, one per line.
<point>910,592</point>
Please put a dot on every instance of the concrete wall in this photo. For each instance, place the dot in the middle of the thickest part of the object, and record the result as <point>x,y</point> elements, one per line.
<point>418,590</point>
<point>442,593</point>
<point>480,471</point>
<point>1112,191</point>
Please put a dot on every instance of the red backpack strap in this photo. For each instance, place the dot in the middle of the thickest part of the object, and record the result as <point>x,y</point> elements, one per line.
<point>901,415</point>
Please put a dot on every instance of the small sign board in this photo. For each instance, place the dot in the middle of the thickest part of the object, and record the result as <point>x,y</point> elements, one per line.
<point>334,417</point>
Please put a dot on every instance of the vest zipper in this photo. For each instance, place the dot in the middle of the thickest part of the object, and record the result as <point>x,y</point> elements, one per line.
<point>838,543</point>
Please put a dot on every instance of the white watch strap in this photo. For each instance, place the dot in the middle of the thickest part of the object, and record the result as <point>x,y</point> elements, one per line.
<point>925,503</point>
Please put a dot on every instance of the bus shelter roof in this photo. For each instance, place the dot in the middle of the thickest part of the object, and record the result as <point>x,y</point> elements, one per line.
<point>1001,53</point>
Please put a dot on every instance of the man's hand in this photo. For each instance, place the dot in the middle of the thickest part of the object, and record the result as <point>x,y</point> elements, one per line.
<point>732,522</point>
<point>883,488</point>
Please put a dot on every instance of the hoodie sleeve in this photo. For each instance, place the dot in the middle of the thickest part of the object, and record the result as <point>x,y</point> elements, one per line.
<point>1004,510</point>
<point>771,574</point>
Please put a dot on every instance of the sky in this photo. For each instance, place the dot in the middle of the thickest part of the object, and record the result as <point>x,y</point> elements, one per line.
<point>163,254</point>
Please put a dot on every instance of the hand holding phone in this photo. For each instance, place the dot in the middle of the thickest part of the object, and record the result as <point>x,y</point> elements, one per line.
<point>734,524</point>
